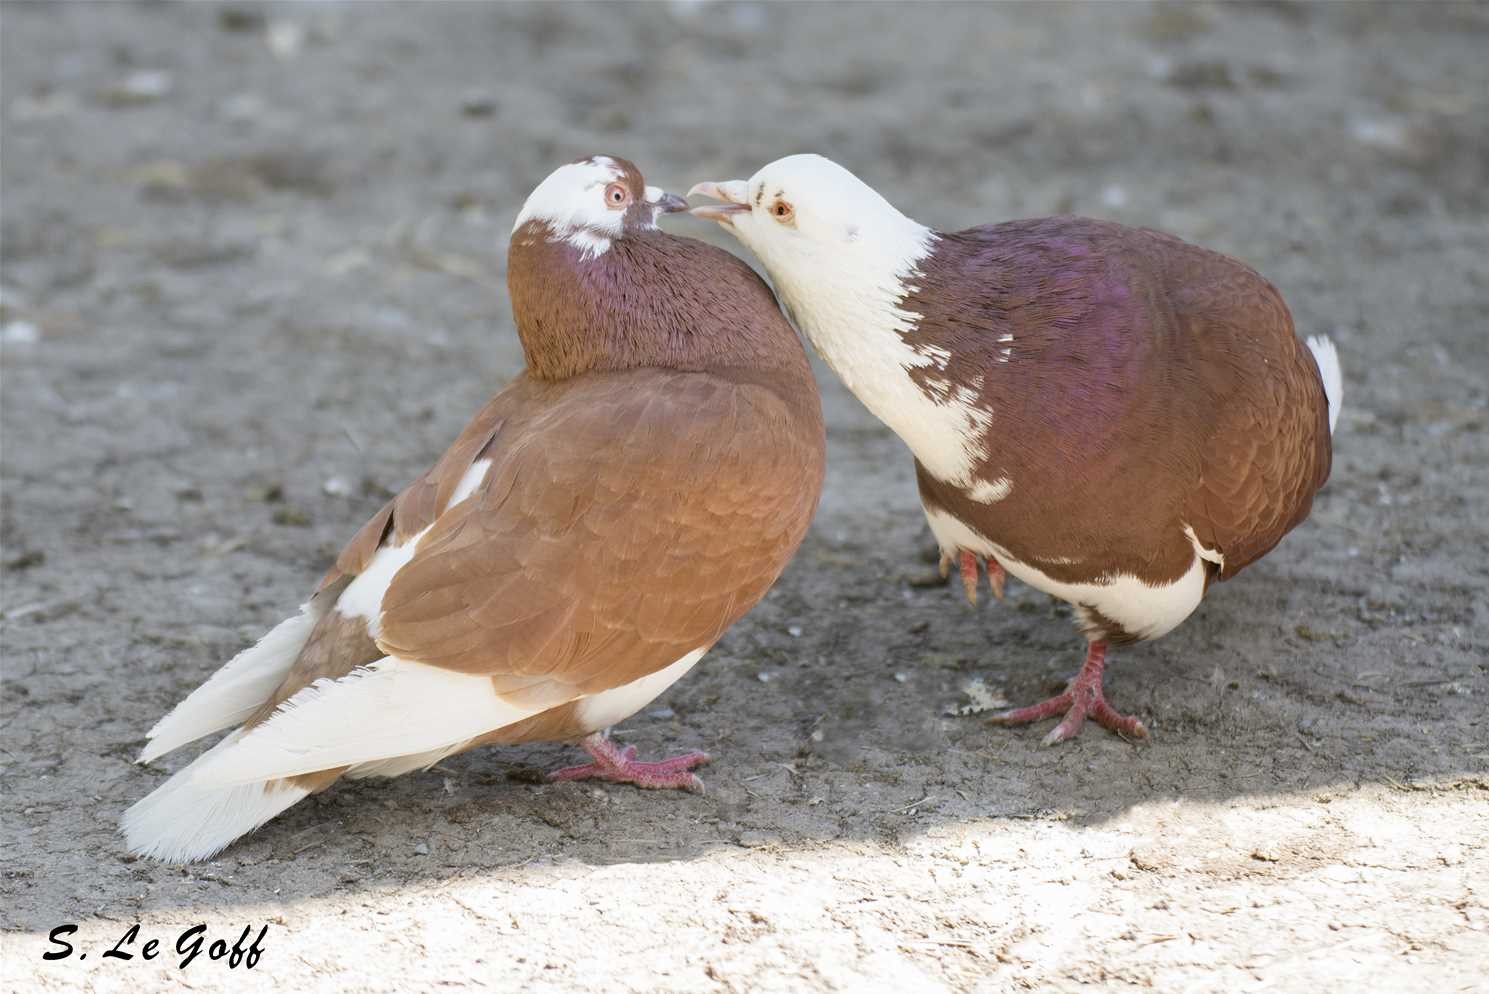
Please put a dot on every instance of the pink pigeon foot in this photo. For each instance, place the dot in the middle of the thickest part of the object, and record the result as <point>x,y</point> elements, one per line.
<point>618,765</point>
<point>1082,699</point>
<point>967,565</point>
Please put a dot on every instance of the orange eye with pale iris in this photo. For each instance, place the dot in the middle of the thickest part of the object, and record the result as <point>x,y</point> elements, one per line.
<point>781,211</point>
<point>617,196</point>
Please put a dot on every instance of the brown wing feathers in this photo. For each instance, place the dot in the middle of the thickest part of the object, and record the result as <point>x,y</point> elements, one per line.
<point>1268,448</point>
<point>620,552</point>
<point>625,520</point>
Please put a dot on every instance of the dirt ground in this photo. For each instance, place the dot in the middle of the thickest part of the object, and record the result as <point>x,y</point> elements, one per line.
<point>253,281</point>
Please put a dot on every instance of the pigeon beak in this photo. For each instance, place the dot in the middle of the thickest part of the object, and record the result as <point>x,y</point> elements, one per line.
<point>735,195</point>
<point>664,202</point>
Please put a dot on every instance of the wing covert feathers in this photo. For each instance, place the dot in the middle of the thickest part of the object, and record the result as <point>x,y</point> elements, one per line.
<point>631,523</point>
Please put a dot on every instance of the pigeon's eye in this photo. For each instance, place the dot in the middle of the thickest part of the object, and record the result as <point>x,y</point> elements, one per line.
<point>781,211</point>
<point>617,196</point>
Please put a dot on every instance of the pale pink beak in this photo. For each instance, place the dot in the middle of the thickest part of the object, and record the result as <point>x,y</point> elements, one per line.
<point>735,195</point>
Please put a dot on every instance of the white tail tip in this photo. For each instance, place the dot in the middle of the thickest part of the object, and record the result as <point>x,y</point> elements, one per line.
<point>183,821</point>
<point>1327,357</point>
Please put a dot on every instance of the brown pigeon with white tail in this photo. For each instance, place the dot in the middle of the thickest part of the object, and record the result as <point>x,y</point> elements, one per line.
<point>584,542</point>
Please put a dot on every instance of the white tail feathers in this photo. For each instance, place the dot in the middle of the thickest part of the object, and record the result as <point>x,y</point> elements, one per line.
<point>1327,357</point>
<point>385,719</point>
<point>399,765</point>
<point>392,708</point>
<point>238,689</point>
<point>389,718</point>
<point>182,821</point>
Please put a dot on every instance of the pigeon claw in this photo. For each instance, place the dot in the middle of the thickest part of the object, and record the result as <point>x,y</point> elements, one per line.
<point>1082,699</point>
<point>617,765</point>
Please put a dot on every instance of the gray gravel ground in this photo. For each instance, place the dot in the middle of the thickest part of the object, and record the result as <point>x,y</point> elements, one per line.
<point>253,281</point>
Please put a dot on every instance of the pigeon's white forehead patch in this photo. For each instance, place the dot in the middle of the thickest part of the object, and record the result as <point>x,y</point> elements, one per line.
<point>817,184</point>
<point>572,199</point>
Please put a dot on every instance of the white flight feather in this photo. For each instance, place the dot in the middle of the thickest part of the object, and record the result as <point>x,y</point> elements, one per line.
<point>394,707</point>
<point>237,689</point>
<point>242,685</point>
<point>1327,357</point>
<point>182,821</point>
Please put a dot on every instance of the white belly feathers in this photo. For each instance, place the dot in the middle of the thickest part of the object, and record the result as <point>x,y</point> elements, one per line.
<point>1143,610</point>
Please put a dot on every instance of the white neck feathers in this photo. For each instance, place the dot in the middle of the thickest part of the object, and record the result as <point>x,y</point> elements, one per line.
<point>849,303</point>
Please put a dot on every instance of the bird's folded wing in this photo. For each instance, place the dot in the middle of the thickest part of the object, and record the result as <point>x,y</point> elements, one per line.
<point>631,523</point>
<point>1266,454</point>
<point>622,527</point>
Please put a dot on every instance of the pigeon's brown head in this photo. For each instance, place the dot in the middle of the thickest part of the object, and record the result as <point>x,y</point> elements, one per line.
<point>591,202</point>
<point>596,285</point>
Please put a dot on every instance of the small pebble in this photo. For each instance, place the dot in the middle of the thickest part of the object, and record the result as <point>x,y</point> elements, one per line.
<point>144,86</point>
<point>763,677</point>
<point>285,39</point>
<point>292,517</point>
<point>20,333</point>
<point>421,849</point>
<point>794,631</point>
<point>239,19</point>
<point>1391,134</point>
<point>478,105</point>
<point>982,697</point>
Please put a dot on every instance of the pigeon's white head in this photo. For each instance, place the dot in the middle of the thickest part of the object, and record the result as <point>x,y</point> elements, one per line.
<point>810,220</point>
<point>845,265</point>
<point>593,201</point>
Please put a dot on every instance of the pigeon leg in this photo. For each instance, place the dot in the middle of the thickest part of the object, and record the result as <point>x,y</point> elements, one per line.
<point>618,765</point>
<point>1082,699</point>
<point>996,577</point>
<point>968,564</point>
